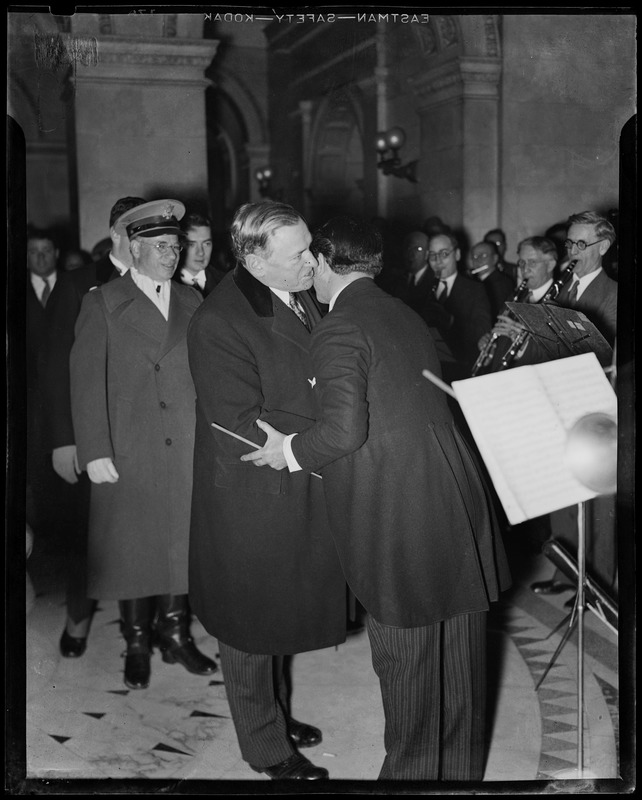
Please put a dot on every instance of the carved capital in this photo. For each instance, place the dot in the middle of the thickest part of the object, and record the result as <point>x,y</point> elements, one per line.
<point>148,62</point>
<point>462,77</point>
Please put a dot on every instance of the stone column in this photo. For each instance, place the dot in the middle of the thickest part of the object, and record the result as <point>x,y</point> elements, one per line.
<point>459,107</point>
<point>140,125</point>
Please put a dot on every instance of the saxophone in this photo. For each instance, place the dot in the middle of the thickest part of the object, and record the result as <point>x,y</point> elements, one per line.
<point>518,342</point>
<point>487,352</point>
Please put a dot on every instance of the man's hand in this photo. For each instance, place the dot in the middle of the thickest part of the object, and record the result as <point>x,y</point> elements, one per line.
<point>507,326</point>
<point>65,463</point>
<point>102,470</point>
<point>271,454</point>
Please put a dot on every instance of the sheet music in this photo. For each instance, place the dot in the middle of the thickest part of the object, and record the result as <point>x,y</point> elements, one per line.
<point>520,419</point>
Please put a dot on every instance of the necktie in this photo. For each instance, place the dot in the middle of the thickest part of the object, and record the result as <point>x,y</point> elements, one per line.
<point>442,294</point>
<point>45,293</point>
<point>572,295</point>
<point>298,309</point>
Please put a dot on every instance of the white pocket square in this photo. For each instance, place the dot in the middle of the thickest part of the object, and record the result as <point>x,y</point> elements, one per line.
<point>312,382</point>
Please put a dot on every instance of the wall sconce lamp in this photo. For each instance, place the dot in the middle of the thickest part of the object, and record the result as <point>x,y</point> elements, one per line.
<point>393,140</point>
<point>263,177</point>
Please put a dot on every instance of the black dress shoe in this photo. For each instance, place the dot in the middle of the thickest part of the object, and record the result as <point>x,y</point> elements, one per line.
<point>303,735</point>
<point>550,587</point>
<point>72,646</point>
<point>294,768</point>
<point>137,670</point>
<point>190,657</point>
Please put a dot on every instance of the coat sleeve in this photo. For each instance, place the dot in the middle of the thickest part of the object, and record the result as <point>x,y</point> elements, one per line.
<point>63,308</point>
<point>340,357</point>
<point>89,391</point>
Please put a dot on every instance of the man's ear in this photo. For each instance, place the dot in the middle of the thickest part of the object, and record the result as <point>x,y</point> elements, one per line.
<point>604,246</point>
<point>134,246</point>
<point>254,265</point>
<point>322,265</point>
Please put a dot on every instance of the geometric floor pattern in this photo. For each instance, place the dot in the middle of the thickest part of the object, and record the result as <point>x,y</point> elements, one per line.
<point>82,723</point>
<point>556,678</point>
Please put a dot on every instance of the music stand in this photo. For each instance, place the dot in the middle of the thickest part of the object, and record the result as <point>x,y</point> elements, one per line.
<point>595,431</point>
<point>562,332</point>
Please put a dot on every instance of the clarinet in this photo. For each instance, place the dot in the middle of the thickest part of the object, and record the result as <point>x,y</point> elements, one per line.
<point>488,351</point>
<point>552,293</point>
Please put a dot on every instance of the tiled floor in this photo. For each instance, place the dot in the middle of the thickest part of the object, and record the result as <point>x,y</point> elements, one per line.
<point>83,723</point>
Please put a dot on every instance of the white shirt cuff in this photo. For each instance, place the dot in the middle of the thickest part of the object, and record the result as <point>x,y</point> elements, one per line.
<point>293,464</point>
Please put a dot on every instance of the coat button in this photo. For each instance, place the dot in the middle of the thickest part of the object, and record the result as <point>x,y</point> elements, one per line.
<point>163,404</point>
<point>168,441</point>
<point>157,367</point>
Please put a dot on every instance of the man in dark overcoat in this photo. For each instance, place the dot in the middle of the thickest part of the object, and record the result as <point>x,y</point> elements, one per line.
<point>132,400</point>
<point>264,574</point>
<point>408,510</point>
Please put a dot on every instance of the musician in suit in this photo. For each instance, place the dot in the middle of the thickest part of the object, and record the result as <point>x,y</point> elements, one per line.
<point>589,237</point>
<point>196,268</point>
<point>62,312</point>
<point>42,260</point>
<point>483,265</point>
<point>265,577</point>
<point>132,401</point>
<point>425,570</point>
<point>464,299</point>
<point>497,237</point>
<point>416,288</point>
<point>537,264</point>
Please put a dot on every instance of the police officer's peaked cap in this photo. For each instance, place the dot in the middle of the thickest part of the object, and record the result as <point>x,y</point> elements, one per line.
<point>152,219</point>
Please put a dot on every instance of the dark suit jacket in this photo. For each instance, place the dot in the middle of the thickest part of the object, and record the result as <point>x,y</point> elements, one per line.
<point>264,573</point>
<point>408,509</point>
<point>132,400</point>
<point>469,307</point>
<point>598,302</point>
<point>421,298</point>
<point>62,312</point>
<point>500,288</point>
<point>36,338</point>
<point>213,277</point>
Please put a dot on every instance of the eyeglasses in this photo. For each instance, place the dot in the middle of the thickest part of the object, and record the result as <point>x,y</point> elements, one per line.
<point>481,256</point>
<point>442,255</point>
<point>164,247</point>
<point>521,263</point>
<point>416,249</point>
<point>581,244</point>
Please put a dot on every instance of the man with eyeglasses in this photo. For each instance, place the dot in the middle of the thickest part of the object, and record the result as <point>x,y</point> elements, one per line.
<point>63,308</point>
<point>536,266</point>
<point>465,301</point>
<point>589,237</point>
<point>591,291</point>
<point>133,408</point>
<point>483,264</point>
<point>196,268</point>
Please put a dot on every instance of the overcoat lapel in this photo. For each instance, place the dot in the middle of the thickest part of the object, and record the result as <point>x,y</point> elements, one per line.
<point>135,309</point>
<point>284,321</point>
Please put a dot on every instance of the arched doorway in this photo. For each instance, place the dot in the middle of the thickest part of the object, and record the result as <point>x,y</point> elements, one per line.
<point>227,160</point>
<point>337,161</point>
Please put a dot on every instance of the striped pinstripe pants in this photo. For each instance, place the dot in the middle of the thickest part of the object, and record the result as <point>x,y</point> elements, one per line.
<point>257,692</point>
<point>433,687</point>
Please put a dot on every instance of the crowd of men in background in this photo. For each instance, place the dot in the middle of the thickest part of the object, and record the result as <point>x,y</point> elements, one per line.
<point>133,355</point>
